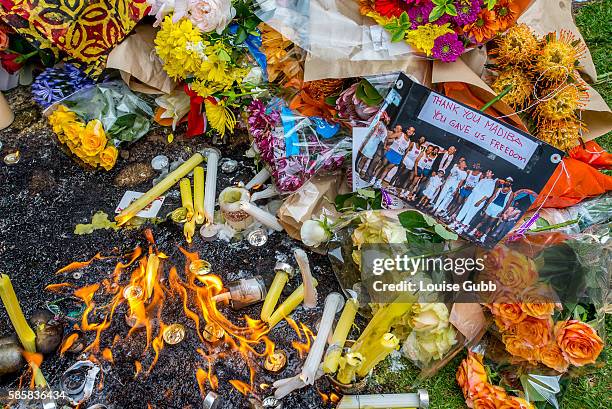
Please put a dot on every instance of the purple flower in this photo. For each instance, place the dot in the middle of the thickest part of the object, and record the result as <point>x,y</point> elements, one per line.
<point>447,47</point>
<point>352,108</point>
<point>419,15</point>
<point>467,11</point>
<point>446,18</point>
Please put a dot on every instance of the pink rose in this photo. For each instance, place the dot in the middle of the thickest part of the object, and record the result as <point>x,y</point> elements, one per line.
<point>211,15</point>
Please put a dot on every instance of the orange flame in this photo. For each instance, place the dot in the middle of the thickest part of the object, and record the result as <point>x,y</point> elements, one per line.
<point>138,366</point>
<point>67,343</point>
<point>303,348</point>
<point>75,265</point>
<point>56,288</point>
<point>241,387</point>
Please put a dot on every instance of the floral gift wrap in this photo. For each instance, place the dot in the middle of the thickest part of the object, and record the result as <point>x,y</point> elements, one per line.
<point>91,124</point>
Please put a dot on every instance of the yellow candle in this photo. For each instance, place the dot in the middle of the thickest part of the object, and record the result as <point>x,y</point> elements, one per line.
<point>283,273</point>
<point>159,189</point>
<point>343,327</point>
<point>198,194</point>
<point>349,365</point>
<point>186,198</point>
<point>375,352</point>
<point>287,307</point>
<point>23,330</point>
<point>9,299</point>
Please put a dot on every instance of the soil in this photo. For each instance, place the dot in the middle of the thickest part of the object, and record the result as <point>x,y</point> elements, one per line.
<point>46,194</point>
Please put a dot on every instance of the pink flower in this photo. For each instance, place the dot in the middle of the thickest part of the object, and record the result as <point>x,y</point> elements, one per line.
<point>211,15</point>
<point>352,108</point>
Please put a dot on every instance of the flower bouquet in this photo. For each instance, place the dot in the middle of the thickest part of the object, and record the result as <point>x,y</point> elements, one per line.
<point>540,78</point>
<point>443,29</point>
<point>211,45</point>
<point>90,124</point>
<point>294,147</point>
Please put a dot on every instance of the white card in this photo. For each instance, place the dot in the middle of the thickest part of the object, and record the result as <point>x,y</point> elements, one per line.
<point>148,212</point>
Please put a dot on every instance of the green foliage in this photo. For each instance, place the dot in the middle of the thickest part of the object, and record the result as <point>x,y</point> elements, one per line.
<point>420,228</point>
<point>362,199</point>
<point>367,94</point>
<point>442,7</point>
<point>398,27</point>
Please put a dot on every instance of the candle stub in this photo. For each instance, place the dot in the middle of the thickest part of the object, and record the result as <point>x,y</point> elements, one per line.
<point>133,292</point>
<point>209,232</point>
<point>174,334</point>
<point>12,158</point>
<point>276,362</point>
<point>213,332</point>
<point>179,215</point>
<point>200,267</point>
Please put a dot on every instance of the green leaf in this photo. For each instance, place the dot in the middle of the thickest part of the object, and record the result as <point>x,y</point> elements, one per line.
<point>404,19</point>
<point>451,10</point>
<point>490,4</point>
<point>444,233</point>
<point>436,13</point>
<point>251,22</point>
<point>391,26</point>
<point>369,193</point>
<point>368,94</point>
<point>241,35</point>
<point>411,219</point>
<point>429,220</point>
<point>397,36</point>
<point>331,100</point>
<point>223,55</point>
<point>46,57</point>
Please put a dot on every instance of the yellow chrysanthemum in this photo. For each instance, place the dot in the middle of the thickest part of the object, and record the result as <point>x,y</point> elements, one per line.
<point>180,46</point>
<point>424,36</point>
<point>206,89</point>
<point>561,103</point>
<point>562,134</point>
<point>518,46</point>
<point>560,56</point>
<point>520,93</point>
<point>219,116</point>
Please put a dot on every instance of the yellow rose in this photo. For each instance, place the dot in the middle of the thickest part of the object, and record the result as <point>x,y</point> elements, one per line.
<point>429,317</point>
<point>93,138</point>
<point>92,161</point>
<point>61,116</point>
<point>73,132</point>
<point>108,157</point>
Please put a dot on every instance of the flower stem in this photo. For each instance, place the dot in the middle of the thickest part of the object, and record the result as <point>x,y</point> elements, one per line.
<point>555,226</point>
<point>497,98</point>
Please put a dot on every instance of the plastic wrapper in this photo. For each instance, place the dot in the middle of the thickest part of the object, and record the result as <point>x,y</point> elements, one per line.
<point>294,147</point>
<point>90,124</point>
<point>548,309</point>
<point>577,218</point>
<point>438,324</point>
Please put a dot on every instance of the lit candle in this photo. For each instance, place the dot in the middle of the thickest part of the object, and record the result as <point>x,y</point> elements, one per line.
<point>151,274</point>
<point>343,327</point>
<point>349,365</point>
<point>333,304</point>
<point>376,352</point>
<point>283,272</point>
<point>386,401</point>
<point>259,179</point>
<point>159,189</point>
<point>287,307</point>
<point>198,194</point>
<point>210,193</point>
<point>23,330</point>
<point>310,292</point>
<point>265,218</point>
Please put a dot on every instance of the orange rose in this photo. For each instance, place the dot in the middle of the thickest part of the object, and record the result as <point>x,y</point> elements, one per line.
<point>518,272</point>
<point>552,356</point>
<point>108,157</point>
<point>579,342</point>
<point>512,402</point>
<point>516,347</point>
<point>487,396</point>
<point>507,314</point>
<point>534,332</point>
<point>94,138</point>
<point>4,41</point>
<point>539,301</point>
<point>470,374</point>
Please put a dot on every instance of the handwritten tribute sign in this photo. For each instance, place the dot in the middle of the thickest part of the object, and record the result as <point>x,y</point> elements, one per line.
<point>472,126</point>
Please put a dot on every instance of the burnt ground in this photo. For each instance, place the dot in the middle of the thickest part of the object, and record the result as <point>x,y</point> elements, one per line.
<point>46,194</point>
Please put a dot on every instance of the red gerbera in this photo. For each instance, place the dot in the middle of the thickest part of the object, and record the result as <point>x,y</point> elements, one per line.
<point>389,8</point>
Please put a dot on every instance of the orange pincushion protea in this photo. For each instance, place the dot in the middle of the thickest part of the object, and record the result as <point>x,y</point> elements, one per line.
<point>559,56</point>
<point>520,93</point>
<point>564,134</point>
<point>519,46</point>
<point>561,103</point>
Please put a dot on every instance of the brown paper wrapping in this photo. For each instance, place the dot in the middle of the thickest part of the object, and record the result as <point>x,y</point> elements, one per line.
<point>469,319</point>
<point>138,63</point>
<point>313,199</point>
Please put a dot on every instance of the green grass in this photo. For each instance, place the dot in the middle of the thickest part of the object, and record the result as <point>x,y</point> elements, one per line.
<point>591,391</point>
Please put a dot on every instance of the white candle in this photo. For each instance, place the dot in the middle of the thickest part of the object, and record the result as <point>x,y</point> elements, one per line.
<point>210,190</point>
<point>259,179</point>
<point>310,292</point>
<point>285,386</point>
<point>333,303</point>
<point>265,218</point>
<point>386,401</point>
<point>269,192</point>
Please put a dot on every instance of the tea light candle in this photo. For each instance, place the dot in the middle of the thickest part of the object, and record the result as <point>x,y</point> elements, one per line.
<point>343,327</point>
<point>198,194</point>
<point>349,365</point>
<point>283,272</point>
<point>333,303</point>
<point>265,218</point>
<point>310,292</point>
<point>259,179</point>
<point>210,190</point>
<point>287,307</point>
<point>159,189</point>
<point>386,401</point>
<point>376,352</point>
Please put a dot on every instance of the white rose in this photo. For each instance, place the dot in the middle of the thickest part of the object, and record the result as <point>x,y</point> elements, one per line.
<point>313,233</point>
<point>254,76</point>
<point>211,15</point>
